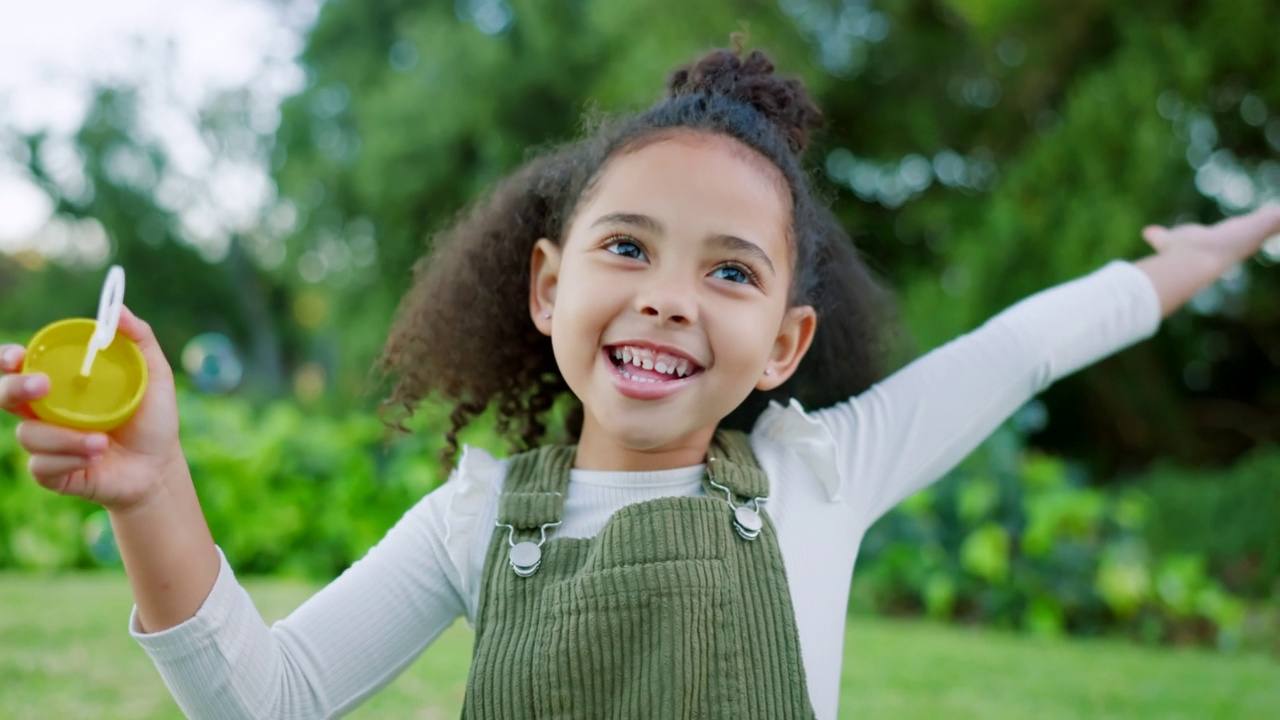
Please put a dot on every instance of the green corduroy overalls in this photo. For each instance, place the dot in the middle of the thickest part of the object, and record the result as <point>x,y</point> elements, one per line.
<point>668,613</point>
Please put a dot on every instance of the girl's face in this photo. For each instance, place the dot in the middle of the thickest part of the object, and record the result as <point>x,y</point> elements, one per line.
<point>668,298</point>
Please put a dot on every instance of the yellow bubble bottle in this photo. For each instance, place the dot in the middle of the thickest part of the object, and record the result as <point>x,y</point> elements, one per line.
<point>96,376</point>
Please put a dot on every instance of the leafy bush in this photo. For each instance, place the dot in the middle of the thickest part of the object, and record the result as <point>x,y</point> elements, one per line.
<point>284,490</point>
<point>1230,516</point>
<point>1013,538</point>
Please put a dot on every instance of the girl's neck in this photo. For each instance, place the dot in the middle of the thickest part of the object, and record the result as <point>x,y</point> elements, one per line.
<point>598,451</point>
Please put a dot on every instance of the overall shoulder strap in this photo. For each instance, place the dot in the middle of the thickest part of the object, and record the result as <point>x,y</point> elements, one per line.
<point>533,493</point>
<point>732,463</point>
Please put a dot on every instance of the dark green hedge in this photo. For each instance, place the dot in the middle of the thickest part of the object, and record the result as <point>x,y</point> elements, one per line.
<point>284,489</point>
<point>1017,539</point>
<point>1230,517</point>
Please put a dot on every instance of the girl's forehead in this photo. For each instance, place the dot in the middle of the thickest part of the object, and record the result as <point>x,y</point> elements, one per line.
<point>678,148</point>
<point>695,179</point>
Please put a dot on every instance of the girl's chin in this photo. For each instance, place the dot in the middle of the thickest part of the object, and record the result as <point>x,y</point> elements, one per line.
<point>644,439</point>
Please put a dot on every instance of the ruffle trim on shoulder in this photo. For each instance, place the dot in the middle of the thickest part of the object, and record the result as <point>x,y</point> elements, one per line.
<point>792,428</point>
<point>479,478</point>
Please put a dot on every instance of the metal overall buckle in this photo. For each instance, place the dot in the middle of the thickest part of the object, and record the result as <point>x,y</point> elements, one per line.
<point>746,520</point>
<point>526,556</point>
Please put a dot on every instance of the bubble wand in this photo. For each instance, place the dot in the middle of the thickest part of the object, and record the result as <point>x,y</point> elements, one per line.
<point>109,305</point>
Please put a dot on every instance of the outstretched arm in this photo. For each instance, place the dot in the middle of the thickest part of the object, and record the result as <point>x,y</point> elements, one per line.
<point>911,428</point>
<point>1189,258</point>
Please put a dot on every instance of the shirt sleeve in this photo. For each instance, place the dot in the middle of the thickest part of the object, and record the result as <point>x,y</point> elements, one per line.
<point>910,429</point>
<point>339,647</point>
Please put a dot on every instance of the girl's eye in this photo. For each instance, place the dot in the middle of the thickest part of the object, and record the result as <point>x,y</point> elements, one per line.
<point>734,274</point>
<point>625,248</point>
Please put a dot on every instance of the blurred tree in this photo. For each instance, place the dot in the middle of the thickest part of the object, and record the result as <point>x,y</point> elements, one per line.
<point>105,186</point>
<point>1087,121</point>
<point>978,150</point>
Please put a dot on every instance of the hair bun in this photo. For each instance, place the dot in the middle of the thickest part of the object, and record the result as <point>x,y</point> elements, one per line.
<point>751,79</point>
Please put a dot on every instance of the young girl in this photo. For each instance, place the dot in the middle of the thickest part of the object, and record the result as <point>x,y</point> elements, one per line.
<point>675,274</point>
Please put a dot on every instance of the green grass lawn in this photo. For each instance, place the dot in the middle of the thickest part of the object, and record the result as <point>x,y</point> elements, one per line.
<point>65,654</point>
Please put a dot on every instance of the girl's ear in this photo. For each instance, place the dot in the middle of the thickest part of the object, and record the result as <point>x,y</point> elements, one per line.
<point>794,338</point>
<point>544,273</point>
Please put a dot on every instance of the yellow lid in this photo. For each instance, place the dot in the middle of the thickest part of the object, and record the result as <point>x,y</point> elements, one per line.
<point>104,400</point>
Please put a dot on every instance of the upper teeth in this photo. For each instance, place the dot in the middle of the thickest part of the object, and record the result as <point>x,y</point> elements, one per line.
<point>649,360</point>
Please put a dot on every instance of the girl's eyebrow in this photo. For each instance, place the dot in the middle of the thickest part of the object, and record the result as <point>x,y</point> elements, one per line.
<point>732,243</point>
<point>644,222</point>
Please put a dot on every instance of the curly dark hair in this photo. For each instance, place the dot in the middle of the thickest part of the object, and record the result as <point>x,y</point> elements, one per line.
<point>463,332</point>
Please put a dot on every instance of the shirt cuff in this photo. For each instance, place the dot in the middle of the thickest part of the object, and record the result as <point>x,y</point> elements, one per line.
<point>1145,298</point>
<point>196,634</point>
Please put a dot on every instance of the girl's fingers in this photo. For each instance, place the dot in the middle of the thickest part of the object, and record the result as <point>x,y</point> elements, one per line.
<point>1154,235</point>
<point>160,392</point>
<point>51,470</point>
<point>140,332</point>
<point>1257,225</point>
<point>11,357</point>
<point>40,438</point>
<point>17,391</point>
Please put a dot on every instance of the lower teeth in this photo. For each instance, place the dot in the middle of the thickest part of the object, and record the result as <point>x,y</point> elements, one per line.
<point>629,376</point>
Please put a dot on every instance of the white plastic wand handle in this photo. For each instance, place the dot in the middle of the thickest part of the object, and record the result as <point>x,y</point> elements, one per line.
<point>109,305</point>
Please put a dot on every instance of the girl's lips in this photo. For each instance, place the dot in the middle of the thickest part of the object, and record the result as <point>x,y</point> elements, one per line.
<point>640,384</point>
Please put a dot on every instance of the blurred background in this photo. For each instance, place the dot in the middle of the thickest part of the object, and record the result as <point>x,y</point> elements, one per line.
<point>267,171</point>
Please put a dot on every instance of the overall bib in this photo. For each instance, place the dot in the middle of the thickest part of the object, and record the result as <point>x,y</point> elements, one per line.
<point>679,608</point>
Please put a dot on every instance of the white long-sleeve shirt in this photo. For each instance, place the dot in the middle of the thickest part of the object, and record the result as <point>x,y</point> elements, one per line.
<point>832,473</point>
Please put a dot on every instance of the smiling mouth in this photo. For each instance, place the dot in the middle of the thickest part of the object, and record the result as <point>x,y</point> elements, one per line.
<point>645,365</point>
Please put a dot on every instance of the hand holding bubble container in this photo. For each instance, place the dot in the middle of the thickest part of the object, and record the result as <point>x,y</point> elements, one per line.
<point>96,376</point>
<point>99,417</point>
<point>98,405</point>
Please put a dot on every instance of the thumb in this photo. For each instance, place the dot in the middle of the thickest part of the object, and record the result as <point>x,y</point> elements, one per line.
<point>137,330</point>
<point>1155,235</point>
<point>154,428</point>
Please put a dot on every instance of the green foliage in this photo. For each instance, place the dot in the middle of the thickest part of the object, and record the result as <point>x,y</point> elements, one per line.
<point>1121,115</point>
<point>284,490</point>
<point>978,150</point>
<point>1227,517</point>
<point>1014,539</point>
<point>1067,126</point>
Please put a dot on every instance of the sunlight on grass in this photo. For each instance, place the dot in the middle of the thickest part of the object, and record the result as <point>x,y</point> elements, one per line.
<point>65,653</point>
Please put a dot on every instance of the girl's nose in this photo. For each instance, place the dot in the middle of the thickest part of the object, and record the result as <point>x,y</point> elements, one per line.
<point>668,302</point>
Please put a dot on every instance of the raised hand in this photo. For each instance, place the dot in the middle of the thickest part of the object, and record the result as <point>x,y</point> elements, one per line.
<point>118,469</point>
<point>1231,240</point>
<point>1188,258</point>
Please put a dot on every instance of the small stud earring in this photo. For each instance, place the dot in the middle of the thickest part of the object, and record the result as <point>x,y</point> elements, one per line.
<point>546,315</point>
<point>768,371</point>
